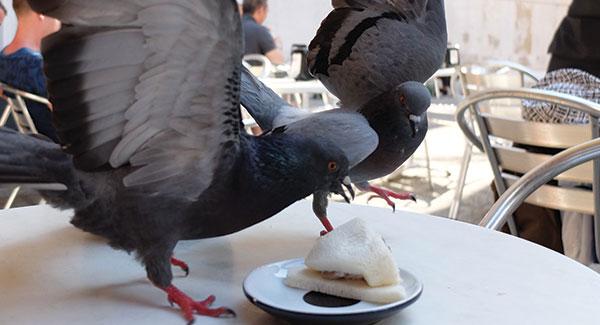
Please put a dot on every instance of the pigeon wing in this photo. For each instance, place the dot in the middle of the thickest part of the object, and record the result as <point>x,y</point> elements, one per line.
<point>149,83</point>
<point>348,20</point>
<point>410,7</point>
<point>348,130</point>
<point>267,108</point>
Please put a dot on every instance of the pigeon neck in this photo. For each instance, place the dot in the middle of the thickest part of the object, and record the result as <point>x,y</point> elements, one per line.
<point>276,173</point>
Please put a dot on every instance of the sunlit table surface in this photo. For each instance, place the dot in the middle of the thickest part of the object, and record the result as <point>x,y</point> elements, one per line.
<point>52,273</point>
<point>291,86</point>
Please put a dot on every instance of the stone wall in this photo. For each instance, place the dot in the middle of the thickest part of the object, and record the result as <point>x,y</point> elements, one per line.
<point>517,30</point>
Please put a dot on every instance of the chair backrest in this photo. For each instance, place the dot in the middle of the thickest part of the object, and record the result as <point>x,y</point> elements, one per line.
<point>259,65</point>
<point>499,134</point>
<point>535,179</point>
<point>494,74</point>
<point>18,107</point>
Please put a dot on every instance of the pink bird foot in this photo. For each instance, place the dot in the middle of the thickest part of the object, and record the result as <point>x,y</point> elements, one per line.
<point>181,264</point>
<point>189,306</point>
<point>387,194</point>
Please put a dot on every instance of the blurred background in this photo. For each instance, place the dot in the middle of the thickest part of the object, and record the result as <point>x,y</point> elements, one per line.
<point>515,30</point>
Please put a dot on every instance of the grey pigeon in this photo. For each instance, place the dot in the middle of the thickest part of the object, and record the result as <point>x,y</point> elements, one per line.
<point>367,47</point>
<point>146,104</point>
<point>376,139</point>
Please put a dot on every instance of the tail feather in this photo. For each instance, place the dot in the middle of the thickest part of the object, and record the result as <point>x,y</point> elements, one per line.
<point>27,159</point>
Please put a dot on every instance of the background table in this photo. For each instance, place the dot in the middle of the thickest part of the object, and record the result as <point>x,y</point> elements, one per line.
<point>52,273</point>
<point>302,88</point>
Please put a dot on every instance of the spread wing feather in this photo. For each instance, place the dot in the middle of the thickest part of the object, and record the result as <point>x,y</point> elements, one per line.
<point>150,83</point>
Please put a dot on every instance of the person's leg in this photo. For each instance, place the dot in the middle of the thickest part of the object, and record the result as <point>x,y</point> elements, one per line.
<point>578,237</point>
<point>536,224</point>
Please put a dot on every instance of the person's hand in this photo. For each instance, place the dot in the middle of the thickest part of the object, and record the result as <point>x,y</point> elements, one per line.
<point>278,42</point>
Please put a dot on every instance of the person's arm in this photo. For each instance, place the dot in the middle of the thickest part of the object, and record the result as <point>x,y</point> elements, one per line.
<point>275,56</point>
<point>269,48</point>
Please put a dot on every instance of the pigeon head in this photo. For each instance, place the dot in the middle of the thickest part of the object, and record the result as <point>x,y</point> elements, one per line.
<point>415,99</point>
<point>329,168</point>
<point>414,96</point>
<point>316,165</point>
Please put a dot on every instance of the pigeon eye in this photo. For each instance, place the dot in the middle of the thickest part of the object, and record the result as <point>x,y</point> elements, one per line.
<point>403,100</point>
<point>332,166</point>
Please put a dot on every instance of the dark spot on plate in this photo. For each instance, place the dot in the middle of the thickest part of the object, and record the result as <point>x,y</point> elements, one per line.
<point>324,300</point>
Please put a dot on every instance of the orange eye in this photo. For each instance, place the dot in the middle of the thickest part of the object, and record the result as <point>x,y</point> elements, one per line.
<point>332,166</point>
<point>403,100</point>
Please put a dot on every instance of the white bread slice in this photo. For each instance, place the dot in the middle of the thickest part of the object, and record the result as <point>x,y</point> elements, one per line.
<point>354,248</point>
<point>304,278</point>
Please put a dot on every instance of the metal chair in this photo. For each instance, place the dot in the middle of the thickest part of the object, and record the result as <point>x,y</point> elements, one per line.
<point>17,108</point>
<point>535,179</point>
<point>258,64</point>
<point>474,79</point>
<point>497,133</point>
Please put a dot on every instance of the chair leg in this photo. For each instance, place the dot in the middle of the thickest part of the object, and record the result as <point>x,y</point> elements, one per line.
<point>298,100</point>
<point>428,162</point>
<point>512,226</point>
<point>462,179</point>
<point>5,115</point>
<point>12,197</point>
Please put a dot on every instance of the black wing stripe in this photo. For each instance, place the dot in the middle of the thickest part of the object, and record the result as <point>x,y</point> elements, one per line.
<point>352,37</point>
<point>325,36</point>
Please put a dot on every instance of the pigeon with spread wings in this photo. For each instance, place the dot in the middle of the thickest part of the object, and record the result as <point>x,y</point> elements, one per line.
<point>367,47</point>
<point>146,104</point>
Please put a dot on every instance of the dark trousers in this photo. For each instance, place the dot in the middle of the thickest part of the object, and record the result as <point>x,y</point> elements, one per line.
<point>536,224</point>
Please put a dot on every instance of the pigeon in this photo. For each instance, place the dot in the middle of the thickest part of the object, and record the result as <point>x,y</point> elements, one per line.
<point>376,139</point>
<point>146,105</point>
<point>367,47</point>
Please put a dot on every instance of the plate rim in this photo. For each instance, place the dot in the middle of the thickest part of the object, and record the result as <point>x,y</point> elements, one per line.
<point>402,303</point>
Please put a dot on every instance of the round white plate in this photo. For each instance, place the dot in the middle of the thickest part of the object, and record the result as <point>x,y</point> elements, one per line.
<point>264,287</point>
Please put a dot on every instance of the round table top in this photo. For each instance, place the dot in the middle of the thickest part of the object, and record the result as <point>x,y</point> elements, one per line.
<point>52,273</point>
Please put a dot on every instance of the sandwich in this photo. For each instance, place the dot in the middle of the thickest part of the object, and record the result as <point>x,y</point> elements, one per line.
<point>352,261</point>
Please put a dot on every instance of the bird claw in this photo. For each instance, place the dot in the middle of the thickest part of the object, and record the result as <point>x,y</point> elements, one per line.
<point>386,194</point>
<point>387,200</point>
<point>188,306</point>
<point>181,264</point>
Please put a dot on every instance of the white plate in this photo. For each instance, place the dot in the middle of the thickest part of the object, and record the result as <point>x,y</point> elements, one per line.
<point>264,287</point>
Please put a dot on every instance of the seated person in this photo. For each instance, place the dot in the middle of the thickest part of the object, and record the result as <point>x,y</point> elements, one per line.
<point>2,13</point>
<point>574,69</point>
<point>575,43</point>
<point>577,229</point>
<point>258,39</point>
<point>21,64</point>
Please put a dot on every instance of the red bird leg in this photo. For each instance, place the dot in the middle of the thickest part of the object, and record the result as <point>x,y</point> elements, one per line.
<point>181,264</point>
<point>326,224</point>
<point>189,306</point>
<point>386,194</point>
<point>319,206</point>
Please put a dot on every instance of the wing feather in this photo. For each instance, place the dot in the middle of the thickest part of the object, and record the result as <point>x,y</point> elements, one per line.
<point>128,76</point>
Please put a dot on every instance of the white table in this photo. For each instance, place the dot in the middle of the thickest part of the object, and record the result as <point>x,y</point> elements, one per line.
<point>52,273</point>
<point>289,86</point>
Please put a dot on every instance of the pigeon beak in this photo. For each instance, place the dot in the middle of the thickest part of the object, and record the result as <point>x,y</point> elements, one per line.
<point>414,124</point>
<point>347,182</point>
<point>339,190</point>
